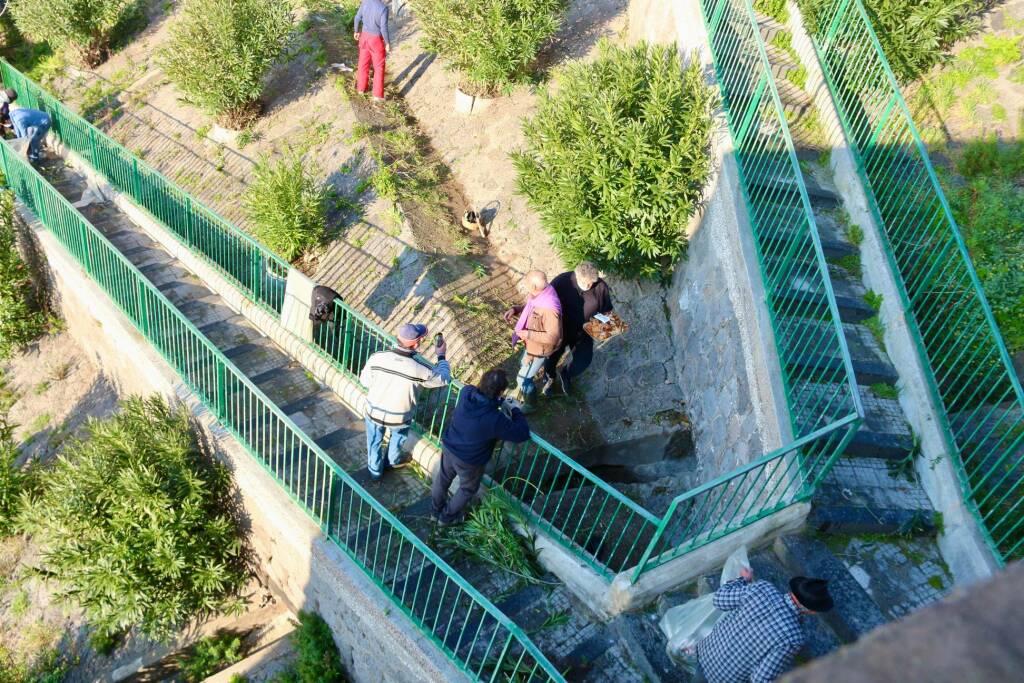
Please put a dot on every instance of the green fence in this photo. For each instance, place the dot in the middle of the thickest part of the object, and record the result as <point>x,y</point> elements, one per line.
<point>970,372</point>
<point>252,267</point>
<point>473,633</point>
<point>590,518</point>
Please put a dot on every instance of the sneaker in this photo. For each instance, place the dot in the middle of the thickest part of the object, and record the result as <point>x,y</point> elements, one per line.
<point>407,460</point>
<point>564,381</point>
<point>374,477</point>
<point>378,99</point>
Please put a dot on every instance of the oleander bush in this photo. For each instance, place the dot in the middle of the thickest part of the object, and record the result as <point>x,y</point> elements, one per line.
<point>85,27</point>
<point>286,203</point>
<point>210,655</point>
<point>915,34</point>
<point>21,318</point>
<point>616,160</point>
<point>136,523</point>
<point>220,51</point>
<point>491,43</point>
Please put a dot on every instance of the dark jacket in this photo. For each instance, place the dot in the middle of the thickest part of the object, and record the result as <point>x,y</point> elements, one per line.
<point>477,425</point>
<point>578,306</point>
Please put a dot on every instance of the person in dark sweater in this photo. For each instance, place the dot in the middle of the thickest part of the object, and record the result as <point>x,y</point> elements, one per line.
<point>583,294</point>
<point>370,29</point>
<point>481,419</point>
<point>6,98</point>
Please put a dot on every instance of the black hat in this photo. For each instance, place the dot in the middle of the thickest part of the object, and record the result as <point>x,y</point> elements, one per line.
<point>812,594</point>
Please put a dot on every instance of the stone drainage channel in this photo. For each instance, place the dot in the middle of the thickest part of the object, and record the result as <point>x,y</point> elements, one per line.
<point>574,639</point>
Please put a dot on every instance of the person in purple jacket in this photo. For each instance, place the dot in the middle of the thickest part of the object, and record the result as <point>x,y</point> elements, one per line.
<point>482,417</point>
<point>374,45</point>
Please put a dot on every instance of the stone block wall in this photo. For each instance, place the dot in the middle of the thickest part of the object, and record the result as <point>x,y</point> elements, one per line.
<point>725,359</point>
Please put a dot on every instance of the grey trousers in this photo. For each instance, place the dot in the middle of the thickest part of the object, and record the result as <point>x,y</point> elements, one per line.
<point>469,482</point>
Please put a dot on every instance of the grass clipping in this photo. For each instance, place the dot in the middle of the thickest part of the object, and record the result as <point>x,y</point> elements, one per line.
<point>488,536</point>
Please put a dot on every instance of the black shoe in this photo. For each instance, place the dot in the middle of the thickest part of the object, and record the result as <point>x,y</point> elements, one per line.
<point>564,381</point>
<point>375,477</point>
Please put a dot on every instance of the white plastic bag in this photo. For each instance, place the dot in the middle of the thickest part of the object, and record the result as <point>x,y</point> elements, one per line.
<point>684,625</point>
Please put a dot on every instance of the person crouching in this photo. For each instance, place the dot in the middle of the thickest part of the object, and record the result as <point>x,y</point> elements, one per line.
<point>482,417</point>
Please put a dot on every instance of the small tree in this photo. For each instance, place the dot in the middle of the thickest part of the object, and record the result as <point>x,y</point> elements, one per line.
<point>286,203</point>
<point>21,320</point>
<point>492,43</point>
<point>220,51</point>
<point>617,159</point>
<point>135,523</point>
<point>84,26</point>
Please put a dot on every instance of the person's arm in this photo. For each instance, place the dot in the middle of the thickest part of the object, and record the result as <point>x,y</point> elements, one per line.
<point>367,374</point>
<point>606,299</point>
<point>515,429</point>
<point>355,22</point>
<point>775,663</point>
<point>384,32</point>
<point>730,594</point>
<point>437,376</point>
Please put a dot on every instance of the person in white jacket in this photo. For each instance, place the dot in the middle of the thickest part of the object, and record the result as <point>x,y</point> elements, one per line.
<point>392,379</point>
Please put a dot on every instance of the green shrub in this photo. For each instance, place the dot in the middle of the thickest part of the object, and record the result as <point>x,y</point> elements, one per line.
<point>83,26</point>
<point>915,34</point>
<point>492,43</point>
<point>487,536</point>
<point>775,9</point>
<point>989,208</point>
<point>317,657</point>
<point>219,52</point>
<point>616,160</point>
<point>136,525</point>
<point>210,655</point>
<point>21,321</point>
<point>286,203</point>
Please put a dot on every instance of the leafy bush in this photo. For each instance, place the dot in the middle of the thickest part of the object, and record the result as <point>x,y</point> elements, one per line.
<point>14,480</point>
<point>492,43</point>
<point>210,655</point>
<point>21,321</point>
<point>220,51</point>
<point>84,26</point>
<point>487,536</point>
<point>318,660</point>
<point>287,205</point>
<point>915,34</point>
<point>617,158</point>
<point>989,208</point>
<point>135,523</point>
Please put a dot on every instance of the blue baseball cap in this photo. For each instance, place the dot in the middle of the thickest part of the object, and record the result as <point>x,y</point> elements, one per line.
<point>410,332</point>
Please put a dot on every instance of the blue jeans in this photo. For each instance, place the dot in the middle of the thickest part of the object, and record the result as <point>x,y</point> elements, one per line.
<point>528,368</point>
<point>36,122</point>
<point>374,438</point>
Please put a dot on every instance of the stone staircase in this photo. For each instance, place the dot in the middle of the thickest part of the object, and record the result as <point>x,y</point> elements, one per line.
<point>573,638</point>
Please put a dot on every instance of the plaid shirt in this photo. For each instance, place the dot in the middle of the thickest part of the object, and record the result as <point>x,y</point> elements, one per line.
<point>756,640</point>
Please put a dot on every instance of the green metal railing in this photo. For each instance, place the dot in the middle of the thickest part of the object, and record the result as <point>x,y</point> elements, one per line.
<point>969,370</point>
<point>458,619</point>
<point>590,518</point>
<point>253,268</point>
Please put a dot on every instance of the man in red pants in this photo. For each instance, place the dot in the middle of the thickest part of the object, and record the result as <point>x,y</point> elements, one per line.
<point>374,44</point>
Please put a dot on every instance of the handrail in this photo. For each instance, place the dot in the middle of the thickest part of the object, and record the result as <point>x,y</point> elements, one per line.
<point>969,371</point>
<point>287,454</point>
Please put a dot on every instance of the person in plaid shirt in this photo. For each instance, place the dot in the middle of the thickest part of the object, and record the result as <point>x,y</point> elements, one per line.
<point>761,631</point>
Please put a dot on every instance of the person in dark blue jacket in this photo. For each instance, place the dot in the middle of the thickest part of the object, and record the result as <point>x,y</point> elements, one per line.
<point>482,417</point>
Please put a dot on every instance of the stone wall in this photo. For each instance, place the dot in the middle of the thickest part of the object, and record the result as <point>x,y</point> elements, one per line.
<point>725,358</point>
<point>307,571</point>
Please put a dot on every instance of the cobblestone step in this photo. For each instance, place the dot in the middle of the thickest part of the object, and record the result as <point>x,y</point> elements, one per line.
<point>871,496</point>
<point>870,363</point>
<point>770,183</point>
<point>802,289</point>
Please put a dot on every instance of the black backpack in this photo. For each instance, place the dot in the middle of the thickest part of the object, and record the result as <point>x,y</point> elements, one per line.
<point>321,308</point>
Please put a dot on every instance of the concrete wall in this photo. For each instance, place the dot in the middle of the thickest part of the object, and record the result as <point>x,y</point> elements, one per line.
<point>377,642</point>
<point>726,361</point>
<point>961,543</point>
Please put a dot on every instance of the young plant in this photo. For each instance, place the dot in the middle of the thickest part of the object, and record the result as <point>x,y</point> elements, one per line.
<point>210,655</point>
<point>487,536</point>
<point>491,43</point>
<point>287,204</point>
<point>317,657</point>
<point>617,159</point>
<point>84,27</point>
<point>136,523</point>
<point>220,51</point>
